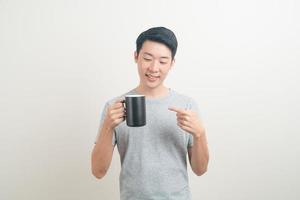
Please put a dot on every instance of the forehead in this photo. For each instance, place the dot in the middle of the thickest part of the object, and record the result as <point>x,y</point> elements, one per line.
<point>156,49</point>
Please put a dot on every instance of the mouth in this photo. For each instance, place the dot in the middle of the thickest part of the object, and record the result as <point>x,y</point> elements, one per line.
<point>152,77</point>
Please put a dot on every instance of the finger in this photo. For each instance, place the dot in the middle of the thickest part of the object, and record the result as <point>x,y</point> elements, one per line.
<point>117,110</point>
<point>180,114</point>
<point>185,117</point>
<point>186,128</point>
<point>118,116</point>
<point>118,121</point>
<point>181,118</point>
<point>117,104</point>
<point>177,110</point>
<point>121,100</point>
<point>184,123</point>
<point>181,122</point>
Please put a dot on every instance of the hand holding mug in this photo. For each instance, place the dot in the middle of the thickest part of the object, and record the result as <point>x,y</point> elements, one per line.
<point>115,114</point>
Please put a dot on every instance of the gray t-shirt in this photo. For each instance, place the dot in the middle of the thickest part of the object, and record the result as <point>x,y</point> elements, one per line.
<point>154,157</point>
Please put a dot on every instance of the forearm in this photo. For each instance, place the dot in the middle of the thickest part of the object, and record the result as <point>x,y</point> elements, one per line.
<point>199,155</point>
<point>102,152</point>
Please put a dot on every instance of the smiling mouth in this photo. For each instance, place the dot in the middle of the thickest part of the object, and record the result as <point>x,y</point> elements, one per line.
<point>151,75</point>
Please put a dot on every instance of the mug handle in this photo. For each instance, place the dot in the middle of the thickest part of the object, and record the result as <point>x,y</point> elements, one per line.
<point>124,105</point>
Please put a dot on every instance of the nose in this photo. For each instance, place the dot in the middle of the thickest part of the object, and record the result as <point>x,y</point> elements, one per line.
<point>154,66</point>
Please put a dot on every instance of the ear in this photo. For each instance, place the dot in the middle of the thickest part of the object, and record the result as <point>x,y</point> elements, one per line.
<point>135,56</point>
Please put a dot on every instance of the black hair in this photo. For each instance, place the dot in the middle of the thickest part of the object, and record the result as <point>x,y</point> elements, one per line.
<point>158,34</point>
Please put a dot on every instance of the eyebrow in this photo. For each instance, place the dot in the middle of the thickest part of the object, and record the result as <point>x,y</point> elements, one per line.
<point>163,57</point>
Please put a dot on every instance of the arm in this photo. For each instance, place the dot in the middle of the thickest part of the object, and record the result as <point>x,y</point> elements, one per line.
<point>102,153</point>
<point>103,149</point>
<point>198,153</point>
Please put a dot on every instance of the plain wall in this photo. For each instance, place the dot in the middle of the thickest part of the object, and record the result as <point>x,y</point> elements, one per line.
<point>61,60</point>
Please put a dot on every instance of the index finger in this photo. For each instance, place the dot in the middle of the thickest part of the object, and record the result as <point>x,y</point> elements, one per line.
<point>118,103</point>
<point>177,110</point>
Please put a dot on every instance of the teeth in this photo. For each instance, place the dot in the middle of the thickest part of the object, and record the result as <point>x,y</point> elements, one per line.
<point>150,75</point>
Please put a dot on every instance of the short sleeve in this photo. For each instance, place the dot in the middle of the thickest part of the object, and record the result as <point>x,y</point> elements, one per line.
<point>103,114</point>
<point>193,105</point>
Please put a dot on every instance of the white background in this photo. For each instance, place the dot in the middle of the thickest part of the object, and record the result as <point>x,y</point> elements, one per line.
<point>61,60</point>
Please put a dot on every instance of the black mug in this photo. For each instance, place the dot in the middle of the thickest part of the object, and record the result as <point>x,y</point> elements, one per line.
<point>135,106</point>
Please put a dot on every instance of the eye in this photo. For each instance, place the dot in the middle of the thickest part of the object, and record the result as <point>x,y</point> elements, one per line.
<point>147,59</point>
<point>163,61</point>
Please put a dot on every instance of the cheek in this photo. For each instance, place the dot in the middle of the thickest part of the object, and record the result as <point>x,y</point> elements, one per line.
<point>140,70</point>
<point>143,66</point>
<point>165,70</point>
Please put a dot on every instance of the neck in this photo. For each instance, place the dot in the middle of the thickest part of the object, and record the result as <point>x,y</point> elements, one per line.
<point>152,92</point>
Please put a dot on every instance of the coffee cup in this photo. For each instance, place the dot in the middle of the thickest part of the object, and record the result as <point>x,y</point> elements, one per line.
<point>135,106</point>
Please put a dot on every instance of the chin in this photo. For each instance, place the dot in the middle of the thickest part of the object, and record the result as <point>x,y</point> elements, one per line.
<point>152,86</point>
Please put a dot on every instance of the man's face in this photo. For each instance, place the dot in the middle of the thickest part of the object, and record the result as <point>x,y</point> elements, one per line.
<point>154,62</point>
